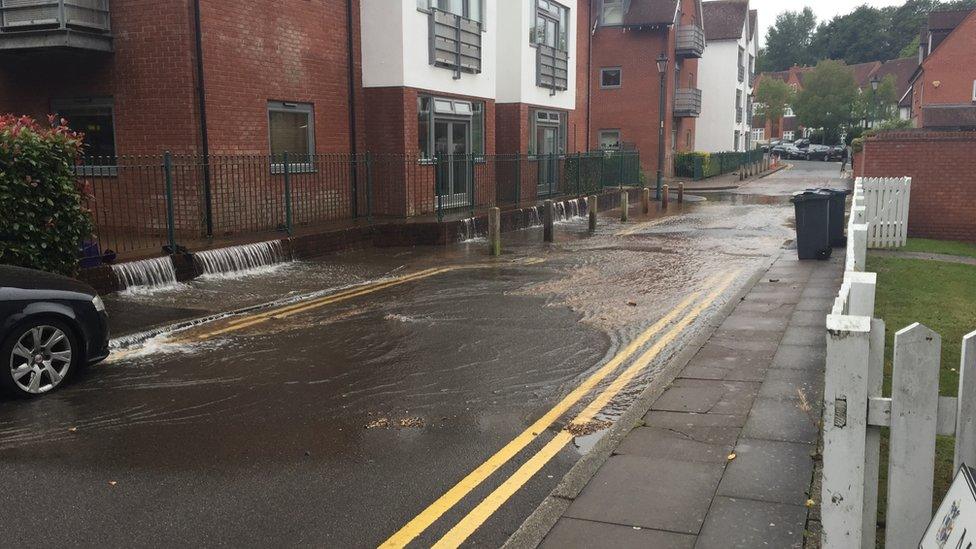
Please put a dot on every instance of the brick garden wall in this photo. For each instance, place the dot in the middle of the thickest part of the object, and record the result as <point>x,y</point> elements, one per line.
<point>942,166</point>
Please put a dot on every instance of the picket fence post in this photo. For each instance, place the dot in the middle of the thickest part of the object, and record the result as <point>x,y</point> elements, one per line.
<point>914,425</point>
<point>845,424</point>
<point>966,413</point>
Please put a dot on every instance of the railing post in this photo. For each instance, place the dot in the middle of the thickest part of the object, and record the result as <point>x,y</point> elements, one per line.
<point>470,171</point>
<point>551,164</point>
<point>287,175</point>
<point>548,220</point>
<point>579,173</point>
<point>62,15</point>
<point>518,179</point>
<point>369,187</point>
<point>437,193</point>
<point>170,213</point>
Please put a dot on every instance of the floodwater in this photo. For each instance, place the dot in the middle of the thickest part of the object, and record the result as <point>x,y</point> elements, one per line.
<point>336,424</point>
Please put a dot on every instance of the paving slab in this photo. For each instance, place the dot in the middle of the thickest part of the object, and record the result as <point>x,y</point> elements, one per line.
<point>808,387</point>
<point>813,336</point>
<point>704,395</point>
<point>784,420</point>
<point>654,493</point>
<point>747,524</point>
<point>738,343</point>
<point>768,308</point>
<point>659,442</point>
<point>800,357</point>
<point>818,304</point>
<point>761,339</point>
<point>808,319</point>
<point>754,322</point>
<point>572,533</point>
<point>769,470</point>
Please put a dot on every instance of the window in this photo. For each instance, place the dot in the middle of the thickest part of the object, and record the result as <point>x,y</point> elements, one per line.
<point>551,25</point>
<point>92,116</point>
<point>470,9</point>
<point>742,66</point>
<point>610,140</point>
<point>758,134</point>
<point>788,136</point>
<point>610,78</point>
<point>612,12</point>
<point>788,112</point>
<point>735,141</point>
<point>430,109</point>
<point>291,129</point>
<point>548,135</point>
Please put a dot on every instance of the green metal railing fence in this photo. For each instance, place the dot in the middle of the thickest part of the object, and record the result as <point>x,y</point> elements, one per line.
<point>704,165</point>
<point>141,204</point>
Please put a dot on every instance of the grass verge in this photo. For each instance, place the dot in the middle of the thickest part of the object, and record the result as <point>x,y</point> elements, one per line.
<point>947,247</point>
<point>941,296</point>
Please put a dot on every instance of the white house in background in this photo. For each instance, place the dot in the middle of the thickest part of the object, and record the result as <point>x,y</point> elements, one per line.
<point>726,74</point>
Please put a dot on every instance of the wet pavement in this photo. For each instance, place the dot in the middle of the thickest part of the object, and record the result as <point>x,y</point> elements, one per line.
<point>333,421</point>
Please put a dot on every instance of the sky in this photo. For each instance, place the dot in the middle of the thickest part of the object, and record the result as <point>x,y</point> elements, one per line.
<point>824,9</point>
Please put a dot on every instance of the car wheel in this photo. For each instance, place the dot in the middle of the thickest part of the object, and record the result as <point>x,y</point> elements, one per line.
<point>807,157</point>
<point>37,357</point>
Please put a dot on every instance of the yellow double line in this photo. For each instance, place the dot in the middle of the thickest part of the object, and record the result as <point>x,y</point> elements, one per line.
<point>462,530</point>
<point>634,229</point>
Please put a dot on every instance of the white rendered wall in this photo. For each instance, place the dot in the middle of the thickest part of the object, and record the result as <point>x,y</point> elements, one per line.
<point>517,58</point>
<point>395,44</point>
<point>718,76</point>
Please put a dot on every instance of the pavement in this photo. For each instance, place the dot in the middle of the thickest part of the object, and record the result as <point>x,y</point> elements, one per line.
<point>722,182</point>
<point>418,395</point>
<point>725,456</point>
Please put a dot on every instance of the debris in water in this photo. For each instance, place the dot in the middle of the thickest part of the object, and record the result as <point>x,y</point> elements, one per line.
<point>379,423</point>
<point>588,428</point>
<point>731,457</point>
<point>411,423</point>
<point>632,303</point>
<point>72,429</point>
<point>810,503</point>
<point>112,483</point>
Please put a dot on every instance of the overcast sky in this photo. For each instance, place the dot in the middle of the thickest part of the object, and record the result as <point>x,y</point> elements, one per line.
<point>824,9</point>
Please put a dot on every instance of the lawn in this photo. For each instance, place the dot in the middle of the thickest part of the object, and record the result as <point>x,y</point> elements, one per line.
<point>941,296</point>
<point>947,247</point>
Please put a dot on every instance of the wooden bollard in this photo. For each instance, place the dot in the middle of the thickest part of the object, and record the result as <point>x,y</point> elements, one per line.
<point>665,197</point>
<point>548,218</point>
<point>592,207</point>
<point>624,205</point>
<point>681,193</point>
<point>646,201</point>
<point>495,232</point>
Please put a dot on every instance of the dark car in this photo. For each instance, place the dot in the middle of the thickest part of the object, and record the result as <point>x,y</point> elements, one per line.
<point>817,152</point>
<point>801,143</point>
<point>50,326</point>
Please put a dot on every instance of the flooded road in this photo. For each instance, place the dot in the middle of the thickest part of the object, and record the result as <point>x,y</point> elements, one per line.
<point>350,414</point>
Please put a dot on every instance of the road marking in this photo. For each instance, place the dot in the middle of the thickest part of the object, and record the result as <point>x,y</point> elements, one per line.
<point>640,226</point>
<point>450,498</point>
<point>484,510</point>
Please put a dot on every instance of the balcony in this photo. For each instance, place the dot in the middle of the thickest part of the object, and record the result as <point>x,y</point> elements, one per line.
<point>738,115</point>
<point>690,41</point>
<point>455,43</point>
<point>687,103</point>
<point>752,80</point>
<point>55,24</point>
<point>742,73</point>
<point>552,68</point>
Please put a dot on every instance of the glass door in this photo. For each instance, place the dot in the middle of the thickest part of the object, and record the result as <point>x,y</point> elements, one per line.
<point>547,138</point>
<point>452,146</point>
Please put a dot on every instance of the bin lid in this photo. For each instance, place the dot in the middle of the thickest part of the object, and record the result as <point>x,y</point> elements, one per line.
<point>832,192</point>
<point>809,195</point>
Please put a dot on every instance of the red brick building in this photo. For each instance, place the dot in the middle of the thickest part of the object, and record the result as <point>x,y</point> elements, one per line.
<point>943,88</point>
<point>628,40</point>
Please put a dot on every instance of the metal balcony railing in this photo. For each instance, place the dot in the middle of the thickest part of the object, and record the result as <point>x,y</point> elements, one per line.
<point>690,41</point>
<point>687,103</point>
<point>455,42</point>
<point>40,24</point>
<point>552,68</point>
<point>738,115</point>
<point>742,73</point>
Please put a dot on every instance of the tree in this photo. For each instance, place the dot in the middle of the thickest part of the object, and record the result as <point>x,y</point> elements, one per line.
<point>788,41</point>
<point>856,37</point>
<point>910,49</point>
<point>772,97</point>
<point>829,97</point>
<point>877,105</point>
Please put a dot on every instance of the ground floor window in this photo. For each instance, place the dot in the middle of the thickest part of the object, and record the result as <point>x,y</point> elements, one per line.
<point>610,139</point>
<point>735,140</point>
<point>547,132</point>
<point>291,129</point>
<point>431,110</point>
<point>94,117</point>
<point>787,136</point>
<point>758,134</point>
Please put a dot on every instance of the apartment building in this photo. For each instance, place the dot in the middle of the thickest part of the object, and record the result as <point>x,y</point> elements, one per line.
<point>727,76</point>
<point>637,44</point>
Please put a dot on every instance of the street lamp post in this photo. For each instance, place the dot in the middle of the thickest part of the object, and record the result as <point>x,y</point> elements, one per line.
<point>662,67</point>
<point>875,82</point>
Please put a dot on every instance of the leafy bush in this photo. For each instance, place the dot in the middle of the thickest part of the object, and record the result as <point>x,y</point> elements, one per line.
<point>44,218</point>
<point>684,163</point>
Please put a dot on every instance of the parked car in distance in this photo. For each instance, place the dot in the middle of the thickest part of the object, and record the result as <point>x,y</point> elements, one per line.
<point>801,143</point>
<point>837,153</point>
<point>817,152</point>
<point>50,326</point>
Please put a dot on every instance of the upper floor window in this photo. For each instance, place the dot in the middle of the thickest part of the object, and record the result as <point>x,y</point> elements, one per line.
<point>551,25</point>
<point>610,78</point>
<point>469,9</point>
<point>94,117</point>
<point>612,12</point>
<point>788,112</point>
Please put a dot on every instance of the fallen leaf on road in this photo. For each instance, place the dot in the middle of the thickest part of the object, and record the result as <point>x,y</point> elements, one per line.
<point>588,428</point>
<point>411,423</point>
<point>810,503</point>
<point>112,483</point>
<point>632,303</point>
<point>72,429</point>
<point>731,457</point>
<point>378,423</point>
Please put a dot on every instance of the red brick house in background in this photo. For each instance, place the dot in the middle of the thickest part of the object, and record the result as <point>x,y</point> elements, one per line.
<point>943,88</point>
<point>628,38</point>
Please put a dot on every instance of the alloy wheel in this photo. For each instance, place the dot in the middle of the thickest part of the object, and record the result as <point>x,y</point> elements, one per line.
<point>40,359</point>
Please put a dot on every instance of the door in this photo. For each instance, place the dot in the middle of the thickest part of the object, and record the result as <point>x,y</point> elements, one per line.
<point>452,146</point>
<point>547,138</point>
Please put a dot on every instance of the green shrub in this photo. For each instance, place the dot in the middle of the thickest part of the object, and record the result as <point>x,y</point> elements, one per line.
<point>684,163</point>
<point>44,218</point>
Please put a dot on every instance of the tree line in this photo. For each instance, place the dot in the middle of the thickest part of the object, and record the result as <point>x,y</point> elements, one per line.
<point>866,34</point>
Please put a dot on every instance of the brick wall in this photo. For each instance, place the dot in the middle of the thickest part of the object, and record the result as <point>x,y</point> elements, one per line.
<point>941,165</point>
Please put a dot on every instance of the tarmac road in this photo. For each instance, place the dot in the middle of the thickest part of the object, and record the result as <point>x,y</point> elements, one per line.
<point>340,420</point>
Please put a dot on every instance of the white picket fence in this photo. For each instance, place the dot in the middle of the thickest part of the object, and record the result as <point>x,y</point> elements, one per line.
<point>886,210</point>
<point>855,411</point>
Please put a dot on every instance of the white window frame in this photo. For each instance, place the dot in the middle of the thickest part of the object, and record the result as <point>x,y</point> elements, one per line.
<point>620,78</point>
<point>789,136</point>
<point>610,132</point>
<point>426,5</point>
<point>305,108</point>
<point>788,112</point>
<point>609,5</point>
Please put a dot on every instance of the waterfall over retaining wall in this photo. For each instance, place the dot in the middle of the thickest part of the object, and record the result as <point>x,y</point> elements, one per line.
<point>241,259</point>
